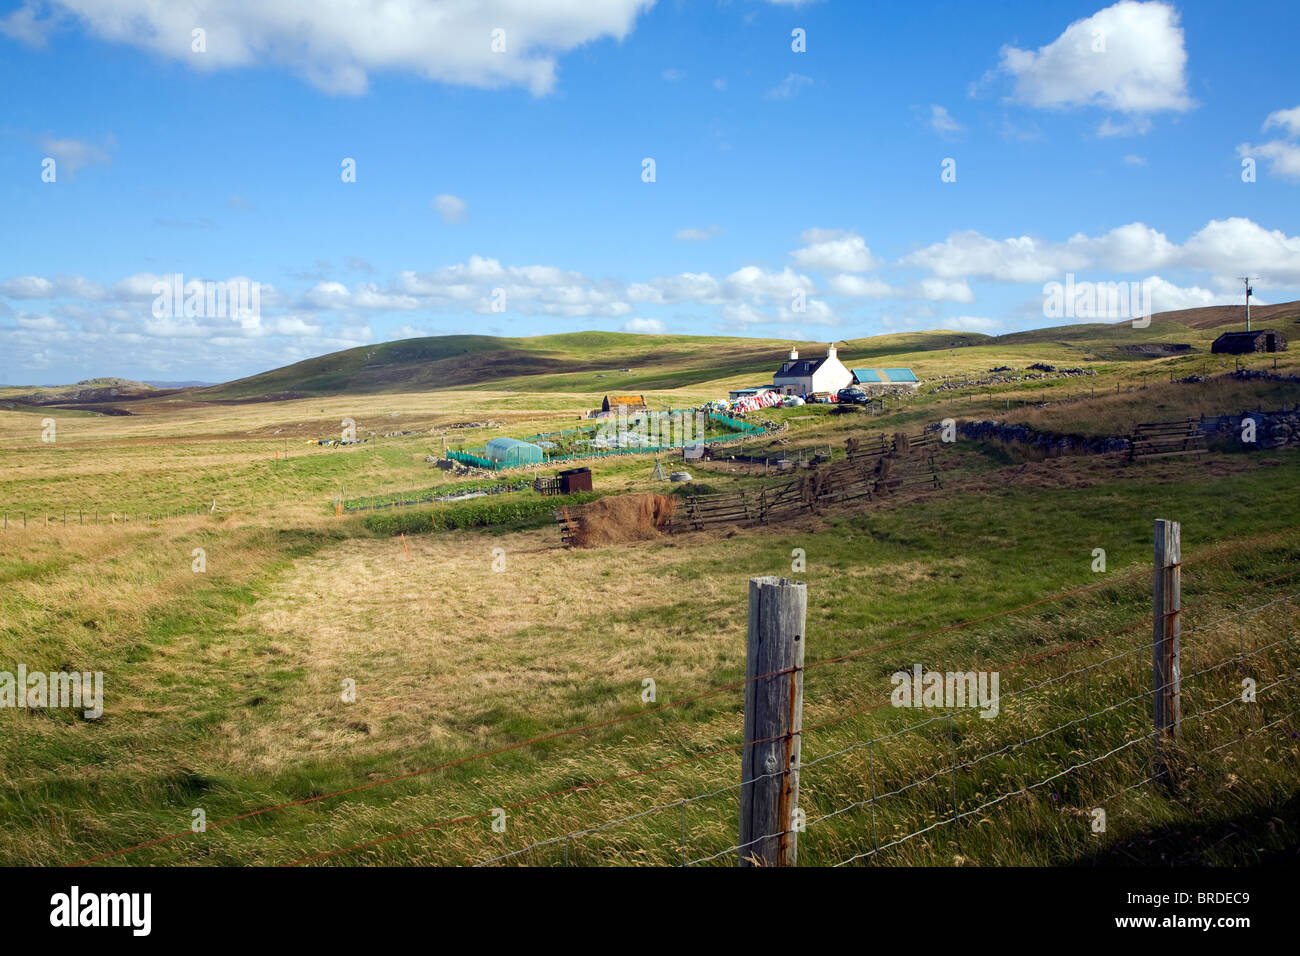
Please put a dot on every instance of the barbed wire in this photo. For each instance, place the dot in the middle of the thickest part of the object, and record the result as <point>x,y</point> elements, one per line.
<point>1056,776</point>
<point>1088,716</point>
<point>697,697</point>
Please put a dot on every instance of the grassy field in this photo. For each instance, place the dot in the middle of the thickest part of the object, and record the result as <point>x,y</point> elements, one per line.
<point>223,688</point>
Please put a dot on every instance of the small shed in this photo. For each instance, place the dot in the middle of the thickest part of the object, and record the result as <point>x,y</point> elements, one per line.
<point>565,483</point>
<point>1244,343</point>
<point>510,452</point>
<point>633,403</point>
<point>574,480</point>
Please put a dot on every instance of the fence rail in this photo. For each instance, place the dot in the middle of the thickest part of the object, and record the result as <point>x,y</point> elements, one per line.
<point>1166,439</point>
<point>867,473</point>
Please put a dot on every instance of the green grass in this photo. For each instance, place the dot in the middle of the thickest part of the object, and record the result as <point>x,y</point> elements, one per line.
<point>215,702</point>
<point>515,511</point>
<point>873,579</point>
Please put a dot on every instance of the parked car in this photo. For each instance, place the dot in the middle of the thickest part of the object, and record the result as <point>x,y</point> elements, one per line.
<point>852,396</point>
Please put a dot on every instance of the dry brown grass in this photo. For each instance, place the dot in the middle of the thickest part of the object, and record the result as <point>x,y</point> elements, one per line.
<point>437,641</point>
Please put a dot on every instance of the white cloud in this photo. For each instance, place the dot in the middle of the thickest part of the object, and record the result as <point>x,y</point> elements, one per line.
<point>1237,246</point>
<point>138,286</point>
<point>26,25</point>
<point>1168,297</point>
<point>451,208</point>
<point>757,285</point>
<point>1132,160</point>
<point>71,155</point>
<point>673,75</point>
<point>790,87</point>
<point>687,287</point>
<point>968,323</point>
<point>1288,120</point>
<point>1128,58</point>
<point>41,323</point>
<point>644,326</point>
<point>336,44</point>
<point>1128,248</point>
<point>1137,126</point>
<point>698,235</point>
<point>859,287</point>
<point>1283,157</point>
<point>1022,259</point>
<point>1223,248</point>
<point>745,314</point>
<point>27,287</point>
<point>328,295</point>
<point>941,121</point>
<point>945,290</point>
<point>833,250</point>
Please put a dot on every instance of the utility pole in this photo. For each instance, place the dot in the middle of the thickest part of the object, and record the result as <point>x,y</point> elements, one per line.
<point>1249,291</point>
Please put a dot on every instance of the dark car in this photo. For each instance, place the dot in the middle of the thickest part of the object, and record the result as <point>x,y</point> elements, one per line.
<point>852,396</point>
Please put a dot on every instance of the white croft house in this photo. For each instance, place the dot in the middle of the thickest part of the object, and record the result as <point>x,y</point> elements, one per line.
<point>805,376</point>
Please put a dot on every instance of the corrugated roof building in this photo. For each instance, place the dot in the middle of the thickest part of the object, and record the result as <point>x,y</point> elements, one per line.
<point>884,379</point>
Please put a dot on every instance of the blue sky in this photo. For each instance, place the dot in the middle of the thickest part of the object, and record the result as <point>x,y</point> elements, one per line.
<point>1105,142</point>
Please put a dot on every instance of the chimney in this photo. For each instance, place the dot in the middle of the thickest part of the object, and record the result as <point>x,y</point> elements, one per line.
<point>830,350</point>
<point>794,353</point>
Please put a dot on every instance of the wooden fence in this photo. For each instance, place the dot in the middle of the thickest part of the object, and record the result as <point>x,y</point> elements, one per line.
<point>868,472</point>
<point>1165,439</point>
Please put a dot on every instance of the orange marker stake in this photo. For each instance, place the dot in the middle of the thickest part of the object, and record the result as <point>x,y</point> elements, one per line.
<point>404,547</point>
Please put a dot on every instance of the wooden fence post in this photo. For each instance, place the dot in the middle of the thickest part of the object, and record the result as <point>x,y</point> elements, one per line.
<point>769,766</point>
<point>1166,665</point>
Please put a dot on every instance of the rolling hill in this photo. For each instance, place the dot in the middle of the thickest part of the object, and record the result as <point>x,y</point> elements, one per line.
<point>552,362</point>
<point>584,361</point>
<point>624,362</point>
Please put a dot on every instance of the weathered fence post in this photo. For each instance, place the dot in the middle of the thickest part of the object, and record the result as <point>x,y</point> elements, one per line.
<point>1166,665</point>
<point>769,766</point>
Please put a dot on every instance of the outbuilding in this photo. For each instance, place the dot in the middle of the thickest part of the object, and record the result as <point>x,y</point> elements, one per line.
<point>873,381</point>
<point>633,403</point>
<point>1244,343</point>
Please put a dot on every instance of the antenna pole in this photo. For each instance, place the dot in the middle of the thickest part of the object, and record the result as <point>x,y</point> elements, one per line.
<point>1246,280</point>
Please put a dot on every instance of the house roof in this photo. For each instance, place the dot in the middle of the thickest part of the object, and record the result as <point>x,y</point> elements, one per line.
<point>752,390</point>
<point>865,375</point>
<point>1241,336</point>
<point>632,401</point>
<point>799,368</point>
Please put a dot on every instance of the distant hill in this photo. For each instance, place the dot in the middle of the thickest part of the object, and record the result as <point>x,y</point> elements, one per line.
<point>623,362</point>
<point>91,390</point>
<point>1218,316</point>
<point>587,361</point>
<point>576,361</point>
